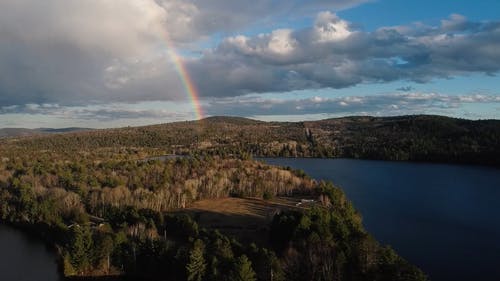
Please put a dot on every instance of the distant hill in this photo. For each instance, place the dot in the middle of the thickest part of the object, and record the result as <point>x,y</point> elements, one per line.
<point>19,132</point>
<point>232,120</point>
<point>407,138</point>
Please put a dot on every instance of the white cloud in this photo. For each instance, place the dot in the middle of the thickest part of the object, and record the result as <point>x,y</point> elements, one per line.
<point>329,27</point>
<point>318,107</point>
<point>455,22</point>
<point>281,42</point>
<point>99,51</point>
<point>190,20</point>
<point>338,56</point>
<point>73,52</point>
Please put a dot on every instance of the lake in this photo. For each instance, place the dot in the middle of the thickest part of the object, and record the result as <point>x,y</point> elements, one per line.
<point>23,258</point>
<point>443,218</point>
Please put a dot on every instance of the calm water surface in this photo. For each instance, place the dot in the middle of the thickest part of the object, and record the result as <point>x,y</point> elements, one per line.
<point>23,258</point>
<point>443,218</point>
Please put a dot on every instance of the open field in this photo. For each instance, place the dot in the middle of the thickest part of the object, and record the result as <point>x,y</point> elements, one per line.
<point>244,218</point>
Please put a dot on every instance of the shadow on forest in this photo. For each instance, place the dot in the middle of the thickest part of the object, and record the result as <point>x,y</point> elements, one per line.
<point>105,278</point>
<point>100,278</point>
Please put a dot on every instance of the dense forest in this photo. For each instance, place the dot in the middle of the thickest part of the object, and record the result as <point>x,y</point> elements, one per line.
<point>407,138</point>
<point>110,208</point>
<point>124,203</point>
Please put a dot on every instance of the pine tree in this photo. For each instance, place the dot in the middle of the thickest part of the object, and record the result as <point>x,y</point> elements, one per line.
<point>197,265</point>
<point>243,270</point>
<point>81,245</point>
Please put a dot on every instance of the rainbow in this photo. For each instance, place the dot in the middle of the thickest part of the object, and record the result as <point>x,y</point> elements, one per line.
<point>186,80</point>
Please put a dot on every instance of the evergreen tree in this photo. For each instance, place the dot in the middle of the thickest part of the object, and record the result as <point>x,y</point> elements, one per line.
<point>80,247</point>
<point>197,265</point>
<point>243,270</point>
<point>213,271</point>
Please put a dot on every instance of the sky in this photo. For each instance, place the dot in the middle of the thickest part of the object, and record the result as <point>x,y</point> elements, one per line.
<point>114,63</point>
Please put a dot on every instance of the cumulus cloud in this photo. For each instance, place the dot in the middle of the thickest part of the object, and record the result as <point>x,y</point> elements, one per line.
<point>101,51</point>
<point>330,28</point>
<point>333,54</point>
<point>76,53</point>
<point>190,19</point>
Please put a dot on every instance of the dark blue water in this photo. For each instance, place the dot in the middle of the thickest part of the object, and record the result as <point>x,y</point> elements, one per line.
<point>443,218</point>
<point>25,259</point>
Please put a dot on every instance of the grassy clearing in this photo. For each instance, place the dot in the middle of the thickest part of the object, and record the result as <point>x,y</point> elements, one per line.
<point>245,218</point>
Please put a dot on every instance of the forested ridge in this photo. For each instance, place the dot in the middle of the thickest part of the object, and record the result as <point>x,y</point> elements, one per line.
<point>19,132</point>
<point>408,138</point>
<point>110,208</point>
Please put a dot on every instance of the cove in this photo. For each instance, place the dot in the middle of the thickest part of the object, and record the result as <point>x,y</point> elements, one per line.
<point>24,258</point>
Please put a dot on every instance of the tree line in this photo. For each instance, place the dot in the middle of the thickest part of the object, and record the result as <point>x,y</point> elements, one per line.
<point>407,138</point>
